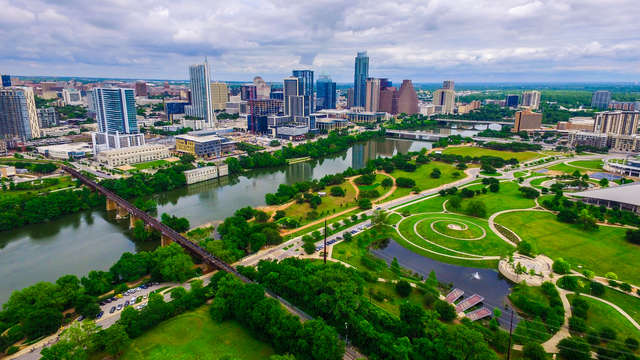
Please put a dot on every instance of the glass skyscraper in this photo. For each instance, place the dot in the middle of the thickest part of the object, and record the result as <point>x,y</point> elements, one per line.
<point>201,106</point>
<point>6,80</point>
<point>325,93</point>
<point>305,88</point>
<point>360,76</point>
<point>115,110</point>
<point>18,116</point>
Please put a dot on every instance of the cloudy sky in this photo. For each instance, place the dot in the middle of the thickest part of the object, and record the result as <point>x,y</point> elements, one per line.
<point>423,40</point>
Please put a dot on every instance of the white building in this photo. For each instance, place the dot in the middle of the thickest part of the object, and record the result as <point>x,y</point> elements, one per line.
<point>531,99</point>
<point>206,173</point>
<point>71,97</point>
<point>133,155</point>
<point>66,151</point>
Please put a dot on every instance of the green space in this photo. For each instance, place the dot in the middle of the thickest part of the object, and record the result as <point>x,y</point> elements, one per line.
<point>475,151</point>
<point>423,179</point>
<point>538,182</point>
<point>518,174</point>
<point>603,250</point>
<point>194,335</point>
<point>155,164</point>
<point>35,187</point>
<point>386,297</point>
<point>321,224</point>
<point>602,315</point>
<point>562,167</point>
<point>421,236</point>
<point>329,205</point>
<point>433,204</point>
<point>588,164</point>
<point>507,198</point>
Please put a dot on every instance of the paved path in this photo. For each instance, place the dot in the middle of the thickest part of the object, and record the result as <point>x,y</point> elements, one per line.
<point>551,345</point>
<point>622,312</point>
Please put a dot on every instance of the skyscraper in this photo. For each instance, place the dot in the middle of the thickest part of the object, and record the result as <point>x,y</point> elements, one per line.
<point>512,100</point>
<point>293,102</point>
<point>601,99</point>
<point>141,88</point>
<point>617,122</point>
<point>446,99</point>
<point>200,81</point>
<point>115,110</point>
<point>372,101</point>
<point>407,98</point>
<point>305,84</point>
<point>18,116</point>
<point>219,95</point>
<point>448,85</point>
<point>248,92</point>
<point>389,100</point>
<point>6,80</point>
<point>263,90</point>
<point>325,93</point>
<point>360,76</point>
<point>531,99</point>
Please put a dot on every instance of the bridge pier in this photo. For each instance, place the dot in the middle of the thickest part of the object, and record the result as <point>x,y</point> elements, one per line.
<point>111,205</point>
<point>132,221</point>
<point>122,213</point>
<point>165,240</point>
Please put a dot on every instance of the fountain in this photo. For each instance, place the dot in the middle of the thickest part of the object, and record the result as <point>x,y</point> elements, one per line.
<point>476,275</point>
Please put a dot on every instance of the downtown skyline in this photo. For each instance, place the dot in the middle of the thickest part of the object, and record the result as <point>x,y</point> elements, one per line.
<point>519,41</point>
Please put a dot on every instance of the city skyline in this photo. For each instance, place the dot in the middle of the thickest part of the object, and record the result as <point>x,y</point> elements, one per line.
<point>521,40</point>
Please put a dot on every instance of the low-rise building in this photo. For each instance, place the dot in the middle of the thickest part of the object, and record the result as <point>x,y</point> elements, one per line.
<point>204,143</point>
<point>580,123</point>
<point>132,155</point>
<point>624,197</point>
<point>292,132</point>
<point>628,167</point>
<point>329,125</point>
<point>6,171</point>
<point>206,173</point>
<point>366,116</point>
<point>587,139</point>
<point>3,148</point>
<point>66,151</point>
<point>527,120</point>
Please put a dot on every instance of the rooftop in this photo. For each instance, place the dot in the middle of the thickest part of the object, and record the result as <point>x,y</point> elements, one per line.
<point>627,194</point>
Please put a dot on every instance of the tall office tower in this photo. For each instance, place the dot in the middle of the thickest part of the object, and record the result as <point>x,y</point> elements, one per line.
<point>141,88</point>
<point>293,101</point>
<point>350,98</point>
<point>448,85</point>
<point>219,95</point>
<point>263,90</point>
<point>306,89</point>
<point>71,97</point>
<point>18,115</point>
<point>372,101</point>
<point>511,100</point>
<point>527,120</point>
<point>407,98</point>
<point>360,76</point>
<point>601,99</point>
<point>325,93</point>
<point>200,81</point>
<point>6,80</point>
<point>617,122</point>
<point>248,92</point>
<point>115,110</point>
<point>531,99</point>
<point>446,99</point>
<point>385,83</point>
<point>389,100</point>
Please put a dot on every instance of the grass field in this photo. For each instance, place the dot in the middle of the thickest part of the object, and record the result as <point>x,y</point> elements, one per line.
<point>429,205</point>
<point>602,250</point>
<point>538,182</point>
<point>507,198</point>
<point>194,335</point>
<point>321,225</point>
<point>150,164</point>
<point>566,168</point>
<point>588,164</point>
<point>64,182</point>
<point>329,206</point>
<point>518,174</point>
<point>600,315</point>
<point>486,243</point>
<point>475,151</point>
<point>392,300</point>
<point>423,179</point>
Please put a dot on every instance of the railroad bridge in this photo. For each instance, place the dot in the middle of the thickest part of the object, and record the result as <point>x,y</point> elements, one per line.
<point>167,234</point>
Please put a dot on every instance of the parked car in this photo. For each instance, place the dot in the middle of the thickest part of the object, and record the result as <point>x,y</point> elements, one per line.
<point>119,307</point>
<point>99,314</point>
<point>113,309</point>
<point>126,303</point>
<point>80,318</point>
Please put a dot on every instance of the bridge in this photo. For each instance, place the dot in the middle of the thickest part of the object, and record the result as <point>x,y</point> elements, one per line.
<point>476,122</point>
<point>168,235</point>
<point>414,135</point>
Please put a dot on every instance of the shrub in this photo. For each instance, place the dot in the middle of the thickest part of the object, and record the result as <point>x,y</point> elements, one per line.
<point>574,348</point>
<point>560,266</point>
<point>12,350</point>
<point>611,276</point>
<point>529,192</point>
<point>569,283</point>
<point>467,193</point>
<point>476,208</point>
<point>435,173</point>
<point>534,351</point>
<point>404,182</point>
<point>364,204</point>
<point>337,191</point>
<point>525,248</point>
<point>446,311</point>
<point>608,334</point>
<point>625,287</point>
<point>596,288</point>
<point>579,307</point>
<point>403,288</point>
<point>632,343</point>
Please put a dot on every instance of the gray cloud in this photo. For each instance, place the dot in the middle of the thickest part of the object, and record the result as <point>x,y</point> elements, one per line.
<point>426,40</point>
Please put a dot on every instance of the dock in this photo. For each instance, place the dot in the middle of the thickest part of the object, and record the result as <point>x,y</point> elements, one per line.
<point>479,314</point>
<point>454,295</point>
<point>469,302</point>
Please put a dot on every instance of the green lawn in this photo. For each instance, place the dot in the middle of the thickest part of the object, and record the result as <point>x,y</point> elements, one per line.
<point>600,315</point>
<point>329,206</point>
<point>392,300</point>
<point>589,164</point>
<point>150,164</point>
<point>507,198</point>
<point>602,250</point>
<point>475,151</point>
<point>321,225</point>
<point>63,182</point>
<point>538,182</point>
<point>423,179</point>
<point>518,174</point>
<point>566,168</point>
<point>429,205</point>
<point>194,335</point>
<point>489,244</point>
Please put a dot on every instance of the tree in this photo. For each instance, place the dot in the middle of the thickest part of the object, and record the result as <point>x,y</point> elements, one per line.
<point>529,192</point>
<point>560,266</point>
<point>435,173</point>
<point>525,248</point>
<point>347,236</point>
<point>41,322</point>
<point>446,311</point>
<point>87,306</point>
<point>176,223</point>
<point>413,318</point>
<point>403,288</point>
<point>380,218</point>
<point>533,351</point>
<point>494,187</point>
<point>140,232</point>
<point>476,208</point>
<point>387,182</point>
<point>309,247</point>
<point>337,191</point>
<point>114,339</point>
<point>171,263</point>
<point>604,182</point>
<point>455,202</point>
<point>261,216</point>
<point>404,182</point>
<point>365,204</point>
<point>574,348</point>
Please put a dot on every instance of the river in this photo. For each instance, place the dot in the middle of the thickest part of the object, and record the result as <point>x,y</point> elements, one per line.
<point>78,243</point>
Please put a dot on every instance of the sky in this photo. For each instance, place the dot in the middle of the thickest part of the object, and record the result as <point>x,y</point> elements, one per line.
<point>422,40</point>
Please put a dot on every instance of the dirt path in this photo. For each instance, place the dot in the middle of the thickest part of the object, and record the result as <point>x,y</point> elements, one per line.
<point>390,191</point>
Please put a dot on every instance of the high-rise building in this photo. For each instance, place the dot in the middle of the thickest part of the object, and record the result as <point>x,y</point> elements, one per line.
<point>259,111</point>
<point>219,95</point>
<point>141,88</point>
<point>531,99</point>
<point>511,100</point>
<point>360,76</point>
<point>617,122</point>
<point>527,120</point>
<point>18,115</point>
<point>448,85</point>
<point>248,92</point>
<point>263,90</point>
<point>47,117</point>
<point>293,102</point>
<point>372,101</point>
<point>388,100</point>
<point>306,89</point>
<point>6,80</point>
<point>601,99</point>
<point>325,93</point>
<point>200,80</point>
<point>407,98</point>
<point>71,97</point>
<point>445,99</point>
<point>115,110</point>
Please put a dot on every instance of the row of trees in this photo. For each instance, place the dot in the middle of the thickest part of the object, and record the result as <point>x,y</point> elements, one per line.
<point>512,146</point>
<point>572,211</point>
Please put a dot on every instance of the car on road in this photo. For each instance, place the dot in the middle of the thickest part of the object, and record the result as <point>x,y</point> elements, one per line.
<point>99,314</point>
<point>113,309</point>
<point>126,303</point>
<point>119,307</point>
<point>80,318</point>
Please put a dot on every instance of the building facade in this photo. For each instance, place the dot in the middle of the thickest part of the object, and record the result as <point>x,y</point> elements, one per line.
<point>200,80</point>
<point>133,155</point>
<point>306,89</point>
<point>263,90</point>
<point>204,144</point>
<point>6,80</point>
<point>446,99</point>
<point>617,122</point>
<point>601,99</point>
<point>206,173</point>
<point>47,117</point>
<point>325,93</point>
<point>219,95</point>
<point>360,76</point>
<point>527,120</point>
<point>511,100</point>
<point>71,97</point>
<point>372,101</point>
<point>115,110</point>
<point>448,85</point>
<point>18,114</point>
<point>531,99</point>
<point>141,88</point>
